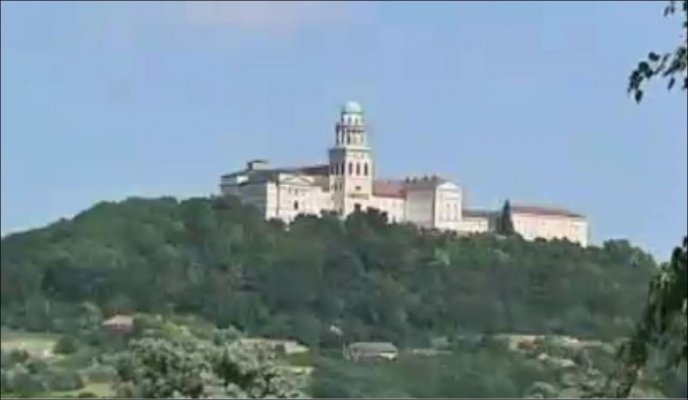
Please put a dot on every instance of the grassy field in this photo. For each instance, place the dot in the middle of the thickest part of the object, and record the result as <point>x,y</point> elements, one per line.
<point>37,344</point>
<point>98,389</point>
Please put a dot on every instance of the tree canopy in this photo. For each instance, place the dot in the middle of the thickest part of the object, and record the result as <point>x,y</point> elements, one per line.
<point>219,259</point>
<point>505,223</point>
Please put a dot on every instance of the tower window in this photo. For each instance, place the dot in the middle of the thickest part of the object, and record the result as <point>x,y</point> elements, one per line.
<point>348,139</point>
<point>358,169</point>
<point>296,205</point>
<point>365,169</point>
<point>351,168</point>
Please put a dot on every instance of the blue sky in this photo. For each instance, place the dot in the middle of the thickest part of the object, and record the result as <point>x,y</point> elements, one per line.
<point>524,101</point>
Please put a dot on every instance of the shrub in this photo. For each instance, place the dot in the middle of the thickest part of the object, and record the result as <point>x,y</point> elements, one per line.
<point>94,337</point>
<point>36,366</point>
<point>66,345</point>
<point>22,382</point>
<point>4,381</point>
<point>101,373</point>
<point>62,380</point>
<point>18,356</point>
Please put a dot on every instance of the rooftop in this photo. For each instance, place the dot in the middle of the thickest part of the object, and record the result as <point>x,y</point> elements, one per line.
<point>373,347</point>
<point>425,181</point>
<point>388,188</point>
<point>269,173</point>
<point>541,210</point>
<point>352,107</point>
<point>119,320</point>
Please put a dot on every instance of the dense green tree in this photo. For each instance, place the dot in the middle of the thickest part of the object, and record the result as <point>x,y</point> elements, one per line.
<point>67,344</point>
<point>372,279</point>
<point>30,376</point>
<point>160,368</point>
<point>219,260</point>
<point>504,222</point>
<point>188,367</point>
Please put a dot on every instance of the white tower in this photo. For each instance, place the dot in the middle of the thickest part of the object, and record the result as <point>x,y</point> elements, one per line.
<point>351,162</point>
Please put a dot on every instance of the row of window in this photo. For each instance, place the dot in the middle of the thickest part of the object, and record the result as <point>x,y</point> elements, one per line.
<point>351,120</point>
<point>350,138</point>
<point>340,186</point>
<point>451,212</point>
<point>296,192</point>
<point>547,226</point>
<point>354,169</point>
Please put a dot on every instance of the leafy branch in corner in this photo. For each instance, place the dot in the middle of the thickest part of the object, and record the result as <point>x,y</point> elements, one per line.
<point>670,65</point>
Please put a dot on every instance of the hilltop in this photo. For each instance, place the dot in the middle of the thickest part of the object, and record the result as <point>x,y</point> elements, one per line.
<point>363,276</point>
<point>326,282</point>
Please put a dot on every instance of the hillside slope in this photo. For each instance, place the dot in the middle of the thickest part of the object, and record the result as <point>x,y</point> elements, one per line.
<point>361,278</point>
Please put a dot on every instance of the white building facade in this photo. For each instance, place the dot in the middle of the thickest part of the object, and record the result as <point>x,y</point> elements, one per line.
<point>347,183</point>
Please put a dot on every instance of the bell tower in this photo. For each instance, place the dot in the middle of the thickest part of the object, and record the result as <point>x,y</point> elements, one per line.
<point>351,161</point>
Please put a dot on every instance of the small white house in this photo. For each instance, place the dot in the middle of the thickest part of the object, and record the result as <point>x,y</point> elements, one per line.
<point>282,346</point>
<point>371,351</point>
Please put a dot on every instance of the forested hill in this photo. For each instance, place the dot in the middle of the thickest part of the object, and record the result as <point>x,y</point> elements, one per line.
<point>363,277</point>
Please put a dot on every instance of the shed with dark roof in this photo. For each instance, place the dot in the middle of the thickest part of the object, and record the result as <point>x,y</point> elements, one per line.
<point>371,351</point>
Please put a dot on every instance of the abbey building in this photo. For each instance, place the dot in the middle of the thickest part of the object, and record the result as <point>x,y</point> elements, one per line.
<point>347,183</point>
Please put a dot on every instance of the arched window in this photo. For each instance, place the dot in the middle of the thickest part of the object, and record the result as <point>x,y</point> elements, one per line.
<point>351,168</point>
<point>358,168</point>
<point>365,169</point>
<point>342,169</point>
<point>348,138</point>
<point>296,205</point>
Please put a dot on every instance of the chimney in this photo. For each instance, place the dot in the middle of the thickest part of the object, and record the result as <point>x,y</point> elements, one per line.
<point>256,165</point>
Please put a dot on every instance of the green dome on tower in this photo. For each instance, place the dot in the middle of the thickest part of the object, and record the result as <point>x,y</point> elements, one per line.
<point>352,107</point>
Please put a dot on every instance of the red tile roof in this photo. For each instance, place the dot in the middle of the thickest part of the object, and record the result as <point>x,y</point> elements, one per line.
<point>539,210</point>
<point>384,188</point>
